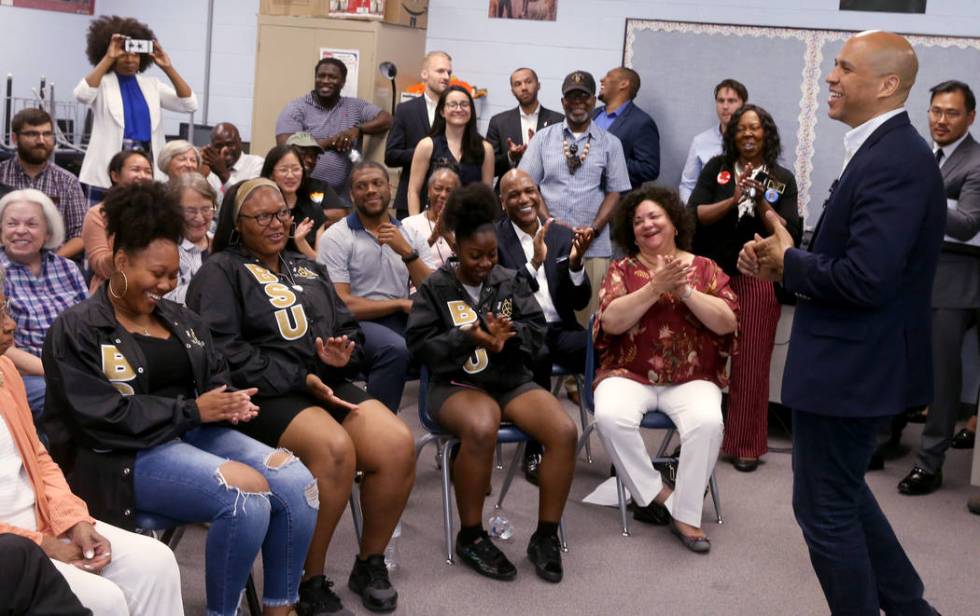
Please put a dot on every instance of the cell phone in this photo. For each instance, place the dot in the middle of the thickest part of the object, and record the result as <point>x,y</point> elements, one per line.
<point>138,46</point>
<point>762,177</point>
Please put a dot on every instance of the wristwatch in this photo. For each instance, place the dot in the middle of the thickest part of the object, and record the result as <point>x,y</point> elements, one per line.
<point>410,257</point>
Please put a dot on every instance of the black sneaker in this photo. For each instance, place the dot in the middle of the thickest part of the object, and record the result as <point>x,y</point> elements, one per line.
<point>316,598</point>
<point>486,559</point>
<point>545,553</point>
<point>369,578</point>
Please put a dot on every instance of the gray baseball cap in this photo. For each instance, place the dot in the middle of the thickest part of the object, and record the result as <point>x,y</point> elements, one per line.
<point>303,140</point>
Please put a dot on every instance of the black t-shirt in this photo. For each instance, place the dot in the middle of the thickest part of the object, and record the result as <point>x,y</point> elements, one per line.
<point>170,372</point>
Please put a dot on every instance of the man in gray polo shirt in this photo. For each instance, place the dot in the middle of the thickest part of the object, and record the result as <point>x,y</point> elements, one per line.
<point>373,262</point>
<point>336,122</point>
<point>580,170</point>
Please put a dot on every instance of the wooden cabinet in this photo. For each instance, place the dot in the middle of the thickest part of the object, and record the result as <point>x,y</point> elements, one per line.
<point>289,47</point>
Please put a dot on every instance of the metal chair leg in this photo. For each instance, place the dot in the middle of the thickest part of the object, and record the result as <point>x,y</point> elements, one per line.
<point>561,535</point>
<point>500,457</point>
<point>713,485</point>
<point>447,509</point>
<point>356,514</point>
<point>423,441</point>
<point>621,490</point>
<point>583,416</point>
<point>509,477</point>
<point>252,598</point>
<point>665,443</point>
<point>584,439</point>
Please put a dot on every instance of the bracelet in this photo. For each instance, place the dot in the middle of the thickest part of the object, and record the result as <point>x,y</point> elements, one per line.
<point>410,257</point>
<point>690,291</point>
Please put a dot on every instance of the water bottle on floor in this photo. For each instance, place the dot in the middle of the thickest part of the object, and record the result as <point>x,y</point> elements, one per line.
<point>391,552</point>
<point>500,526</point>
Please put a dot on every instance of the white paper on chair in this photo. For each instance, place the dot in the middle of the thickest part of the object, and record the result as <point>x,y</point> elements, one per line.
<point>605,494</point>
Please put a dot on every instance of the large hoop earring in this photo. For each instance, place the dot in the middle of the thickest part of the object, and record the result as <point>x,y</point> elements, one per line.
<point>234,238</point>
<point>125,282</point>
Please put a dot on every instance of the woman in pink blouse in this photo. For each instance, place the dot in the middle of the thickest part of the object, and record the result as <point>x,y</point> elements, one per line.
<point>664,330</point>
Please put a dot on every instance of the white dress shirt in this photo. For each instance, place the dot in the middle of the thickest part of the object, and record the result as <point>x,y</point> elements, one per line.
<point>855,138</point>
<point>529,121</point>
<point>430,108</point>
<point>543,294</point>
<point>247,167</point>
<point>947,149</point>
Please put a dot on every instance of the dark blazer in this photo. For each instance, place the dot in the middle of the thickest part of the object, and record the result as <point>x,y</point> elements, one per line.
<point>958,274</point>
<point>507,124</point>
<point>641,143</point>
<point>860,345</point>
<point>566,297</point>
<point>409,126</point>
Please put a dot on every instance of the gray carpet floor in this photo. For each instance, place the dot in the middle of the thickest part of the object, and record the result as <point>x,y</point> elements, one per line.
<point>758,564</point>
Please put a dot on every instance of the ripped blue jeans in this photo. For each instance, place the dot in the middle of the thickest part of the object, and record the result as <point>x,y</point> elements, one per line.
<point>181,480</point>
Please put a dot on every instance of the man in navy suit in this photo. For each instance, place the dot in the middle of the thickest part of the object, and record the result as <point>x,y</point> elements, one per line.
<point>550,256</point>
<point>413,120</point>
<point>860,348</point>
<point>509,131</point>
<point>634,127</point>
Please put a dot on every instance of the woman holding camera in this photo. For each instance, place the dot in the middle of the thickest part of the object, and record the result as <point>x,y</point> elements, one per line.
<point>126,104</point>
<point>730,201</point>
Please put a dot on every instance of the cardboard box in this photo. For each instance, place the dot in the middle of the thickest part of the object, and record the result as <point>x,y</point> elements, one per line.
<point>295,8</point>
<point>412,13</point>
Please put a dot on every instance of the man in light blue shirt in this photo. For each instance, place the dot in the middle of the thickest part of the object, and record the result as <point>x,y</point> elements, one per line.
<point>580,170</point>
<point>729,96</point>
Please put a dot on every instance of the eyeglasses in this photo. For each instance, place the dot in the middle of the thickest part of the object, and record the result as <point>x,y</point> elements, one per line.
<point>36,134</point>
<point>454,105</point>
<point>950,114</point>
<point>293,170</point>
<point>190,213</point>
<point>265,219</point>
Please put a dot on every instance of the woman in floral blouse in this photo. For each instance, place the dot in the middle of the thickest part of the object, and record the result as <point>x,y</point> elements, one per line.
<point>664,331</point>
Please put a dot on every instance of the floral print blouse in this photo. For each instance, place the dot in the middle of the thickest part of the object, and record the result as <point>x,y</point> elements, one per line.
<point>669,345</point>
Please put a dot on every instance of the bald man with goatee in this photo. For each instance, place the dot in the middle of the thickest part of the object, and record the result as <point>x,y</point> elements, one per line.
<point>859,353</point>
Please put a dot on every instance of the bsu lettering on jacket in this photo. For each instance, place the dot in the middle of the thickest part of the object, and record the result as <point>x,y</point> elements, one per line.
<point>290,316</point>
<point>462,315</point>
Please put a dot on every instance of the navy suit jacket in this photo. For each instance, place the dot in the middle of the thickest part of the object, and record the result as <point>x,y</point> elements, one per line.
<point>566,297</point>
<point>860,345</point>
<point>641,143</point>
<point>409,125</point>
<point>507,124</point>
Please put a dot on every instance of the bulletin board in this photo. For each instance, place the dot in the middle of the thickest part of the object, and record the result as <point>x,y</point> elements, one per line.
<point>784,69</point>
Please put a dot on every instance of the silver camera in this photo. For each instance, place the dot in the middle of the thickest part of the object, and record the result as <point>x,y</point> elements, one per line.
<point>138,46</point>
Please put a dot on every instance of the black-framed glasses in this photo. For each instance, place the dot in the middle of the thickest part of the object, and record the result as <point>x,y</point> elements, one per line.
<point>265,219</point>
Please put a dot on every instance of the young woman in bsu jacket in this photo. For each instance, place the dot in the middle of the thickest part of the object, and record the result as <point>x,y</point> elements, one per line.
<point>277,319</point>
<point>477,328</point>
<point>139,412</point>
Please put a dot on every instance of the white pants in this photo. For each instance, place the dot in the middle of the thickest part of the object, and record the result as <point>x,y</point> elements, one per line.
<point>141,579</point>
<point>694,407</point>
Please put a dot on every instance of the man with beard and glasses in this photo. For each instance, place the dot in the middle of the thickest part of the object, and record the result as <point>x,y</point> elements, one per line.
<point>581,170</point>
<point>228,164</point>
<point>510,131</point>
<point>338,123</point>
<point>373,262</point>
<point>33,134</point>
<point>635,128</point>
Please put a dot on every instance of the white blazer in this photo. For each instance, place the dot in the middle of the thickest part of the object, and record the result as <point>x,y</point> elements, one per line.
<point>108,121</point>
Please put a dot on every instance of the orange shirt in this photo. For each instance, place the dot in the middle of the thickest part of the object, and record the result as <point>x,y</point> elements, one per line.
<point>56,508</point>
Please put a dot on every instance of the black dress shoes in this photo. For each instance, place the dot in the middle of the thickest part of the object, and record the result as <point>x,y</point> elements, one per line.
<point>654,513</point>
<point>964,439</point>
<point>920,481</point>
<point>486,559</point>
<point>745,465</point>
<point>544,552</point>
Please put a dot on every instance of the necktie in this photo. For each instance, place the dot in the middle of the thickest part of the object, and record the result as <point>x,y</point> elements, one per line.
<point>939,156</point>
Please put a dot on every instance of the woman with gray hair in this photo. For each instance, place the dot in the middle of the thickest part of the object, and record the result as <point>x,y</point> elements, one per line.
<point>38,284</point>
<point>428,224</point>
<point>198,202</point>
<point>177,158</point>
